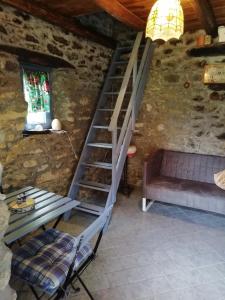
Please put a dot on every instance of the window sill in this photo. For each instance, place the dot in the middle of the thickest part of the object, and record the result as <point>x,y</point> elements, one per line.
<point>27,133</point>
<point>33,132</point>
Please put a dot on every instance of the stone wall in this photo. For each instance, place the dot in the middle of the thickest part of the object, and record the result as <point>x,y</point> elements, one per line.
<point>6,293</point>
<point>105,24</point>
<point>178,111</point>
<point>100,22</point>
<point>46,161</point>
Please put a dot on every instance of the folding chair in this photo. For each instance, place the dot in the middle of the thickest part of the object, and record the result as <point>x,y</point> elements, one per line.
<point>53,260</point>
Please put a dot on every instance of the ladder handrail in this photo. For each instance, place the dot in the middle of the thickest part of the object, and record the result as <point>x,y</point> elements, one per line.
<point>127,75</point>
<point>132,105</point>
<point>120,143</point>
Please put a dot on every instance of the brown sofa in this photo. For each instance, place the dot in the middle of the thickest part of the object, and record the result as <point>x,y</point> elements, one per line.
<point>184,179</point>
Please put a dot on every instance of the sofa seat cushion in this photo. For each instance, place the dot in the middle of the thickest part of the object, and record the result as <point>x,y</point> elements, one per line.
<point>44,260</point>
<point>199,195</point>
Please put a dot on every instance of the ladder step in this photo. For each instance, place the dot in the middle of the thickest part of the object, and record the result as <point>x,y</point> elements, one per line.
<point>98,164</point>
<point>115,93</point>
<point>127,48</point>
<point>103,127</point>
<point>100,145</point>
<point>125,42</point>
<point>109,109</point>
<point>100,127</point>
<point>116,77</point>
<point>94,185</point>
<point>121,62</point>
<point>90,208</point>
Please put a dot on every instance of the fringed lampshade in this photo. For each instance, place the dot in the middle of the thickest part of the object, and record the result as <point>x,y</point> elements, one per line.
<point>166,20</point>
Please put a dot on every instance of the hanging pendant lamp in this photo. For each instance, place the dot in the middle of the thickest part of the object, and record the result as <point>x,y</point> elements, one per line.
<point>166,20</point>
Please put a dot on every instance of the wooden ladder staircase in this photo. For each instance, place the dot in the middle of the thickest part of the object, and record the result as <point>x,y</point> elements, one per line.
<point>100,167</point>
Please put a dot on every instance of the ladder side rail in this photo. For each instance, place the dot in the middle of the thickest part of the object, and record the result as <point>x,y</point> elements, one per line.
<point>123,145</point>
<point>110,199</point>
<point>123,153</point>
<point>79,167</point>
<point>141,88</point>
<point>124,86</point>
<point>141,78</point>
<point>132,105</point>
<point>119,167</point>
<point>114,161</point>
<point>127,128</point>
<point>135,71</point>
<point>123,129</point>
<point>114,120</point>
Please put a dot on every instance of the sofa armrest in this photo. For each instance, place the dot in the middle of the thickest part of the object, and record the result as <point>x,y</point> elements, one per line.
<point>152,166</point>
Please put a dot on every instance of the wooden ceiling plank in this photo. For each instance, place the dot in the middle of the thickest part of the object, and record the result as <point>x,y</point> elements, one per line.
<point>206,14</point>
<point>121,13</point>
<point>72,8</point>
<point>59,20</point>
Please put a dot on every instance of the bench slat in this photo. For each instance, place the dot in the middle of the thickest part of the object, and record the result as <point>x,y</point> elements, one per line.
<point>28,193</point>
<point>18,192</point>
<point>37,214</point>
<point>9,238</point>
<point>39,205</point>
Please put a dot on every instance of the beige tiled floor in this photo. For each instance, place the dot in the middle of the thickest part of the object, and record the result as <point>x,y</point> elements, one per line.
<point>169,253</point>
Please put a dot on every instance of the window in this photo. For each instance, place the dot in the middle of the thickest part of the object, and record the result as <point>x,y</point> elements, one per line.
<point>37,94</point>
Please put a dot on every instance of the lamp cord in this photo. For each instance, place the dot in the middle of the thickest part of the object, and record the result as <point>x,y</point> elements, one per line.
<point>71,145</point>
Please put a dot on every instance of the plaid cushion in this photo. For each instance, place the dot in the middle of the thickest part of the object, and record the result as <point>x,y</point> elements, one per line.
<point>44,260</point>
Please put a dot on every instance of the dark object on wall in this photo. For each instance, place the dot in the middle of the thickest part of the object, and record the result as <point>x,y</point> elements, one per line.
<point>184,179</point>
<point>212,50</point>
<point>217,87</point>
<point>187,85</point>
<point>34,57</point>
<point>221,136</point>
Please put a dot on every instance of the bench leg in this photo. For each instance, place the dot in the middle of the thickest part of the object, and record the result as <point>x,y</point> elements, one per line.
<point>145,206</point>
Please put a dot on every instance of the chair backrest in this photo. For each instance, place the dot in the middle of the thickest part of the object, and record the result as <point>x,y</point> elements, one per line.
<point>197,167</point>
<point>96,227</point>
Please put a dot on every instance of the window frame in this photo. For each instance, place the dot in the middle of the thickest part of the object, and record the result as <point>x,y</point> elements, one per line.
<point>35,67</point>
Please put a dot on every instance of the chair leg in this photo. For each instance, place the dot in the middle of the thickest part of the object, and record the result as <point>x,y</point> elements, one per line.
<point>59,295</point>
<point>84,286</point>
<point>35,293</point>
<point>76,290</point>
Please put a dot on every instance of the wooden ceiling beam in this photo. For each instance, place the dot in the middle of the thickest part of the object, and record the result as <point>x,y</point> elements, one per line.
<point>34,57</point>
<point>206,14</point>
<point>66,23</point>
<point>121,13</point>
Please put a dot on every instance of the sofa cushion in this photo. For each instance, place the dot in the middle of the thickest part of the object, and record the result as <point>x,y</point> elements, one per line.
<point>190,166</point>
<point>189,193</point>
